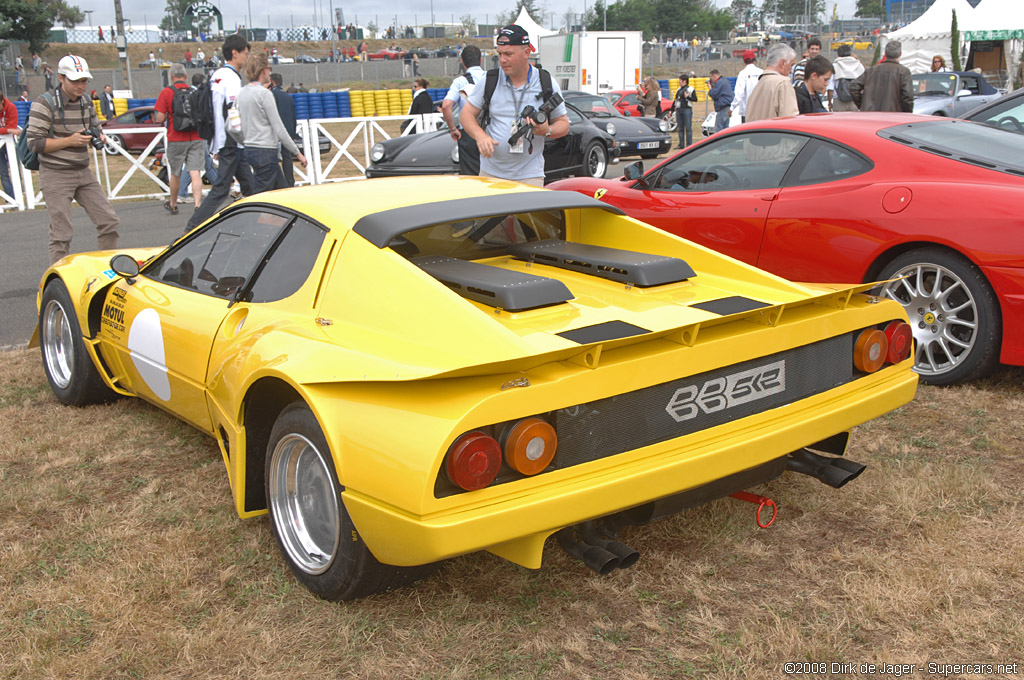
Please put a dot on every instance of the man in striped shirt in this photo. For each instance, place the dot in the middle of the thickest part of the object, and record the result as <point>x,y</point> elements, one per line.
<point>57,131</point>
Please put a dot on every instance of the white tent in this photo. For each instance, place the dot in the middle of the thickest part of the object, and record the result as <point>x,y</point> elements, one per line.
<point>931,34</point>
<point>998,20</point>
<point>535,30</point>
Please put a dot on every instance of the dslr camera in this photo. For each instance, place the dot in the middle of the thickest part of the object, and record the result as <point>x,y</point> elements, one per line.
<point>95,133</point>
<point>539,116</point>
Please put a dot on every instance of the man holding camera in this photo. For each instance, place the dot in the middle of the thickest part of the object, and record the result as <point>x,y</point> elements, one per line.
<point>518,86</point>
<point>61,126</point>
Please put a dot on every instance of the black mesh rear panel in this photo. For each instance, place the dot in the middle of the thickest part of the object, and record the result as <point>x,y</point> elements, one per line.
<point>606,427</point>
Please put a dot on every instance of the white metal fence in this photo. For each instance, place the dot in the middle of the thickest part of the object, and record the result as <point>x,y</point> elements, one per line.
<point>343,154</point>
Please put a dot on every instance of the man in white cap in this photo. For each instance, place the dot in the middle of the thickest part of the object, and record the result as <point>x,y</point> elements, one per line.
<point>61,124</point>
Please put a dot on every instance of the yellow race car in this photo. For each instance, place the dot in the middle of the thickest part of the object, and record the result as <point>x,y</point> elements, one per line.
<point>404,370</point>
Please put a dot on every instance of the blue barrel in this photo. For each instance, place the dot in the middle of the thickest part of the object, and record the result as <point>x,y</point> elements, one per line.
<point>23,108</point>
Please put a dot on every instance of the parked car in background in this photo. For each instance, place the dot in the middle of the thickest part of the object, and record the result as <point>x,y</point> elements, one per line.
<point>585,151</point>
<point>402,371</point>
<point>386,53</point>
<point>139,117</point>
<point>951,94</point>
<point>626,102</point>
<point>1005,113</point>
<point>930,204</point>
<point>633,137</point>
<point>306,59</point>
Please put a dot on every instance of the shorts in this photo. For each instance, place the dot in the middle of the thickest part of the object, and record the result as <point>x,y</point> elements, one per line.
<point>190,154</point>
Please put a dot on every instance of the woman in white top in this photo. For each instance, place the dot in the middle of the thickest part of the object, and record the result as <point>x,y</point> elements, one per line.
<point>262,130</point>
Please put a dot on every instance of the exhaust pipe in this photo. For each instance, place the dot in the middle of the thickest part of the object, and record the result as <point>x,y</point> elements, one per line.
<point>590,534</point>
<point>835,472</point>
<point>595,557</point>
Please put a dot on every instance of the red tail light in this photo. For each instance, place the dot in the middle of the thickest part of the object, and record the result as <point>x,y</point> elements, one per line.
<point>901,341</point>
<point>870,351</point>
<point>530,446</point>
<point>473,460</point>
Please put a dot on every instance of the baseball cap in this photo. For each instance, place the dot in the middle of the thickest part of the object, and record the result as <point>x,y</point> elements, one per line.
<point>513,35</point>
<point>749,54</point>
<point>74,68</point>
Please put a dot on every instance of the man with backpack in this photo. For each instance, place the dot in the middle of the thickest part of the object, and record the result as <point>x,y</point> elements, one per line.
<point>455,100</point>
<point>185,151</point>
<point>847,69</point>
<point>212,105</point>
<point>502,99</point>
<point>61,125</point>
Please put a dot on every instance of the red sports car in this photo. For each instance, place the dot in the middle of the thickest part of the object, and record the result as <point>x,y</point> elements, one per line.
<point>385,53</point>
<point>626,102</point>
<point>935,203</point>
<point>141,117</point>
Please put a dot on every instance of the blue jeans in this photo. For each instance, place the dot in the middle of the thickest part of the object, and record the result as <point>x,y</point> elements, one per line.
<point>721,119</point>
<point>266,171</point>
<point>186,178</point>
<point>684,121</point>
<point>230,165</point>
<point>5,173</point>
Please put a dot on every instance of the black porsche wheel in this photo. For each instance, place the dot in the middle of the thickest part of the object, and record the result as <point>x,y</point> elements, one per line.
<point>69,368</point>
<point>953,311</point>
<point>309,520</point>
<point>595,160</point>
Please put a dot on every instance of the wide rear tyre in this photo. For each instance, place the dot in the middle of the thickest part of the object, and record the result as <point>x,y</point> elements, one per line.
<point>69,368</point>
<point>309,520</point>
<point>595,160</point>
<point>953,311</point>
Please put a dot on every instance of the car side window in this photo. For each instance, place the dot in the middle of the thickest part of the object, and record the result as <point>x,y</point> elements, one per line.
<point>573,116</point>
<point>628,100</point>
<point>758,160</point>
<point>126,119</point>
<point>969,83</point>
<point>289,265</point>
<point>823,161</point>
<point>219,260</point>
<point>1008,114</point>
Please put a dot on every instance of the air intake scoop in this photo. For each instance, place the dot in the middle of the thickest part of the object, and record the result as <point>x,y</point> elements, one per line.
<point>625,266</point>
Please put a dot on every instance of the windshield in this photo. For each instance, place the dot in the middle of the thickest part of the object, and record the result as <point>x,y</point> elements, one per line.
<point>594,107</point>
<point>965,142</point>
<point>931,84</point>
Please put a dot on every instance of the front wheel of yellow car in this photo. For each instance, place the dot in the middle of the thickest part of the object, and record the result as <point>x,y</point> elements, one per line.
<point>308,518</point>
<point>69,368</point>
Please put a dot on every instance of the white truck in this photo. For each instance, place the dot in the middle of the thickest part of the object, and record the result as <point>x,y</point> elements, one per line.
<point>594,61</point>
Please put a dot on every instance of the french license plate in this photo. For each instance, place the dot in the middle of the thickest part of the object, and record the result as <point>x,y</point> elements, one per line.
<point>648,145</point>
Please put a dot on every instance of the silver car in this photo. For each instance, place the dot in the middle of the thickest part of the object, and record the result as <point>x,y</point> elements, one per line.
<point>951,93</point>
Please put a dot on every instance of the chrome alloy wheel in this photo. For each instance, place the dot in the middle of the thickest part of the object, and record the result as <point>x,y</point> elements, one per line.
<point>597,161</point>
<point>58,344</point>
<point>304,503</point>
<point>942,312</point>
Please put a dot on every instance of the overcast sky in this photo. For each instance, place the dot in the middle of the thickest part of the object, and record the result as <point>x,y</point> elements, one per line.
<point>284,13</point>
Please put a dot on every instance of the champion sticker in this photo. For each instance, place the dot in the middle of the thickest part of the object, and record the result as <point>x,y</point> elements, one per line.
<point>599,193</point>
<point>110,274</point>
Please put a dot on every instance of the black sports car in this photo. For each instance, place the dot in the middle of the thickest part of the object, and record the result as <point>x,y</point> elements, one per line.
<point>633,137</point>
<point>585,151</point>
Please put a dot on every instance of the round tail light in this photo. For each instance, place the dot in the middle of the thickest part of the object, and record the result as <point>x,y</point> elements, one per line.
<point>530,446</point>
<point>901,341</point>
<point>870,350</point>
<point>473,461</point>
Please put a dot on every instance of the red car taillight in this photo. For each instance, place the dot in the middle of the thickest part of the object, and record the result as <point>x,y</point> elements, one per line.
<point>901,341</point>
<point>473,460</point>
<point>530,446</point>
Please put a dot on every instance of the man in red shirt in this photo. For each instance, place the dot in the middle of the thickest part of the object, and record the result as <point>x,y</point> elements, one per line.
<point>188,57</point>
<point>8,126</point>
<point>185,148</point>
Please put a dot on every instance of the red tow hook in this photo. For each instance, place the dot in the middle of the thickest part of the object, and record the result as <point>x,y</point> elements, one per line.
<point>762,503</point>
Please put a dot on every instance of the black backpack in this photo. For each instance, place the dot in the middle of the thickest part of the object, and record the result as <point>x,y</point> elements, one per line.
<point>843,90</point>
<point>201,103</point>
<point>492,83</point>
<point>181,109</point>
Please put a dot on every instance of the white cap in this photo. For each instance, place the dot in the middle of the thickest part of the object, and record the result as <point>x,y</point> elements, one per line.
<point>74,68</point>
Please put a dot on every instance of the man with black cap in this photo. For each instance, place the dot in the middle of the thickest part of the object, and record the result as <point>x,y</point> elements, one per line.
<point>517,85</point>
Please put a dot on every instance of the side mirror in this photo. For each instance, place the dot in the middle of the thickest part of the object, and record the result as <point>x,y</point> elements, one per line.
<point>125,266</point>
<point>963,93</point>
<point>626,113</point>
<point>634,171</point>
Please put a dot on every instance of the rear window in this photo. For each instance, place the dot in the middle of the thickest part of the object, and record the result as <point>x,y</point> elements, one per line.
<point>481,237</point>
<point>963,141</point>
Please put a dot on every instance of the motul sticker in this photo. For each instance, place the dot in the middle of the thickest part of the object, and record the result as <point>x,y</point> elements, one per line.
<point>724,392</point>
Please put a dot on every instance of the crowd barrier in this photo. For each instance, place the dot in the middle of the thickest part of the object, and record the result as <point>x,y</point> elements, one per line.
<point>350,150</point>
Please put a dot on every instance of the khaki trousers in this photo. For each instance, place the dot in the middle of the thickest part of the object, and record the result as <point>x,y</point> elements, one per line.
<point>60,187</point>
<point>532,181</point>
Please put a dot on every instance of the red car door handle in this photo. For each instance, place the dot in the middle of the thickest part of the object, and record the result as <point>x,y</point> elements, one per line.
<point>769,196</point>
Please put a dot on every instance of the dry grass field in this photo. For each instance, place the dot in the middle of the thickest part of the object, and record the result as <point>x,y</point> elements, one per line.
<point>121,556</point>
